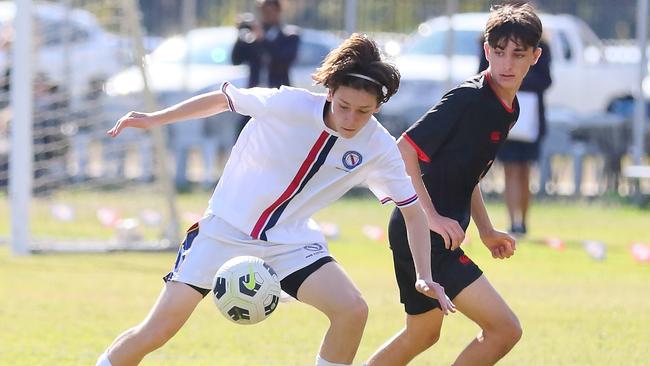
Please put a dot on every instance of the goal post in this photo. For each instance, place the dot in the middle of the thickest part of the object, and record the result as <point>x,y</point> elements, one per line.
<point>70,186</point>
<point>20,164</point>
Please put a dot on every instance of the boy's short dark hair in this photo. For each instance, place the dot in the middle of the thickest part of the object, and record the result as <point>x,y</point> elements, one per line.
<point>514,21</point>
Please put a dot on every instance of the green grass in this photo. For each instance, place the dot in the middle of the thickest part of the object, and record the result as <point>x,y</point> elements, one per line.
<point>65,309</point>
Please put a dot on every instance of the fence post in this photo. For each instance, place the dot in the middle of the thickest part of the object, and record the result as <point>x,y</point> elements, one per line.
<point>639,99</point>
<point>351,8</point>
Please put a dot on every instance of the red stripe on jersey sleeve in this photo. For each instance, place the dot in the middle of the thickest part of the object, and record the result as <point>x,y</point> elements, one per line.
<point>421,155</point>
<point>407,201</point>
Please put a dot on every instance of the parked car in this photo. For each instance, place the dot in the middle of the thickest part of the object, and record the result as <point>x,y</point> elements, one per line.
<point>185,64</point>
<point>73,50</point>
<point>199,61</point>
<point>583,80</point>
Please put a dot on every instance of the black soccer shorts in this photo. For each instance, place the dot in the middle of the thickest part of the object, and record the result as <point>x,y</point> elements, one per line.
<point>453,270</point>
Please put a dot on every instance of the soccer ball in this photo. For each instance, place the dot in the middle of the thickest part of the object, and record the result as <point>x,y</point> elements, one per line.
<point>246,290</point>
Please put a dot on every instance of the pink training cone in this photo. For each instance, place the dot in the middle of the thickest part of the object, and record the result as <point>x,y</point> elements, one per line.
<point>107,216</point>
<point>641,252</point>
<point>62,212</point>
<point>555,243</point>
<point>330,230</point>
<point>373,232</point>
<point>151,218</point>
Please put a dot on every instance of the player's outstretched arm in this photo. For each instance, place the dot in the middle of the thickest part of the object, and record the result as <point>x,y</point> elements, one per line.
<point>500,244</point>
<point>200,106</point>
<point>420,245</point>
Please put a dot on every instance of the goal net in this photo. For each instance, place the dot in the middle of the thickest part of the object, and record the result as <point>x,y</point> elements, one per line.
<point>89,192</point>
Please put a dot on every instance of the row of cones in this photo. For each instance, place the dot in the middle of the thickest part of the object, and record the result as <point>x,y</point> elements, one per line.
<point>110,218</point>
<point>597,250</point>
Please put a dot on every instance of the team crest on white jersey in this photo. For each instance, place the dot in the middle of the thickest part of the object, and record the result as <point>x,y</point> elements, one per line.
<point>352,159</point>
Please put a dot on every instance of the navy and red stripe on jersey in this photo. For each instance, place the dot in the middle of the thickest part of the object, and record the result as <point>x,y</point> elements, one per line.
<point>287,164</point>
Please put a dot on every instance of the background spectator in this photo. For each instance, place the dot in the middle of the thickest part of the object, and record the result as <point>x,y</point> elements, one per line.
<point>522,149</point>
<point>267,46</point>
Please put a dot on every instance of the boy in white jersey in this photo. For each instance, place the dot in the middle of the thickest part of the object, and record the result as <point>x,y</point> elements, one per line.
<point>300,152</point>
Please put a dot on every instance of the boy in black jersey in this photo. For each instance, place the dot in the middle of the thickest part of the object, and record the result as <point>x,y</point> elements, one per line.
<point>456,142</point>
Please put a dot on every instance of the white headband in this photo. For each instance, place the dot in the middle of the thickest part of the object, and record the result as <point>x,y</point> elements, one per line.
<point>361,76</point>
<point>384,89</point>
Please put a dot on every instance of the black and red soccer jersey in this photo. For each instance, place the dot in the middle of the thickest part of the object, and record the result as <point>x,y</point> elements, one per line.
<point>457,141</point>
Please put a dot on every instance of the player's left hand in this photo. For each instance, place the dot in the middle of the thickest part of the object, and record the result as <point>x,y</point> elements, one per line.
<point>131,119</point>
<point>502,245</point>
<point>436,291</point>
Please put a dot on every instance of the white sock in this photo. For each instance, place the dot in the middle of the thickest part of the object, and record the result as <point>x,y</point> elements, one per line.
<point>322,362</point>
<point>102,360</point>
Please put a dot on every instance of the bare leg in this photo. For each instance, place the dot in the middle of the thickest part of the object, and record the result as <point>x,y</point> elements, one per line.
<point>420,333</point>
<point>176,303</point>
<point>524,188</point>
<point>511,191</point>
<point>500,327</point>
<point>517,192</point>
<point>331,291</point>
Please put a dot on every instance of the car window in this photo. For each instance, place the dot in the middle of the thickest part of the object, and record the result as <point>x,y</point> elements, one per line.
<point>311,54</point>
<point>466,42</point>
<point>78,34</point>
<point>53,33</point>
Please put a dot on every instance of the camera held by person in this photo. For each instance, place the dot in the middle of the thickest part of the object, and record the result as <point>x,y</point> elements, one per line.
<point>249,28</point>
<point>267,45</point>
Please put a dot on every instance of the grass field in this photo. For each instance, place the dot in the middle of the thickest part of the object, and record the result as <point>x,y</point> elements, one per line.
<point>60,309</point>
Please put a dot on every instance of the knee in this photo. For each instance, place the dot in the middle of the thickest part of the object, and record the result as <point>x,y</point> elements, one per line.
<point>353,310</point>
<point>357,308</point>
<point>514,331</point>
<point>508,333</point>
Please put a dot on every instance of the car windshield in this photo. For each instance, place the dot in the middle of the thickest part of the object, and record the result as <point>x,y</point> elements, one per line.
<point>203,50</point>
<point>427,42</point>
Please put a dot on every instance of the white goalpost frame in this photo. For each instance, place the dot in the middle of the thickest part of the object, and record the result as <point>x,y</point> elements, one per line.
<point>21,159</point>
<point>20,163</point>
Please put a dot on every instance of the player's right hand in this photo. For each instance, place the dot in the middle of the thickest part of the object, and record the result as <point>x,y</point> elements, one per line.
<point>435,291</point>
<point>449,229</point>
<point>131,119</point>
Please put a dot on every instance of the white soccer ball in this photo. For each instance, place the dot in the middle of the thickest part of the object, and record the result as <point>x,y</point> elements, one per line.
<point>246,290</point>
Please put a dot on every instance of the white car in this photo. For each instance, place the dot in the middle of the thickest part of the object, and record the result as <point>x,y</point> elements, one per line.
<point>185,64</point>
<point>583,80</point>
<point>74,51</point>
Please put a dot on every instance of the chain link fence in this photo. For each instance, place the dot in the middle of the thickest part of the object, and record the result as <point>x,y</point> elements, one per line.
<point>403,16</point>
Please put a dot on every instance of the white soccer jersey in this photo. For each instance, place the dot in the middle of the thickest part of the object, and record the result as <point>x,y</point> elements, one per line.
<point>287,165</point>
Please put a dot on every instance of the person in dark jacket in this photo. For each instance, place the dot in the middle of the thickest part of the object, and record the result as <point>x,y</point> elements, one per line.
<point>268,47</point>
<point>520,150</point>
